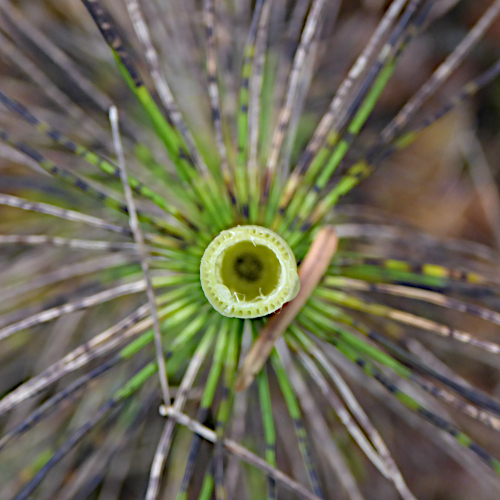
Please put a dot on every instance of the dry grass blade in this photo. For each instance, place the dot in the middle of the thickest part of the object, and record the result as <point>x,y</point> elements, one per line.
<point>139,240</point>
<point>166,438</point>
<point>69,307</point>
<point>320,428</point>
<point>241,453</point>
<point>45,208</point>
<point>311,271</point>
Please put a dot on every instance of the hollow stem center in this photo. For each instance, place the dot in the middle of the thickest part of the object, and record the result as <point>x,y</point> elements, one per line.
<point>248,271</point>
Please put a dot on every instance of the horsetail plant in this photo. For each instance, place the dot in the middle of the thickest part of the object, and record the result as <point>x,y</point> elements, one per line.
<point>185,311</point>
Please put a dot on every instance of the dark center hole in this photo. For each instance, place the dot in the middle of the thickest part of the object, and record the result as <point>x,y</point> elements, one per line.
<point>248,267</point>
